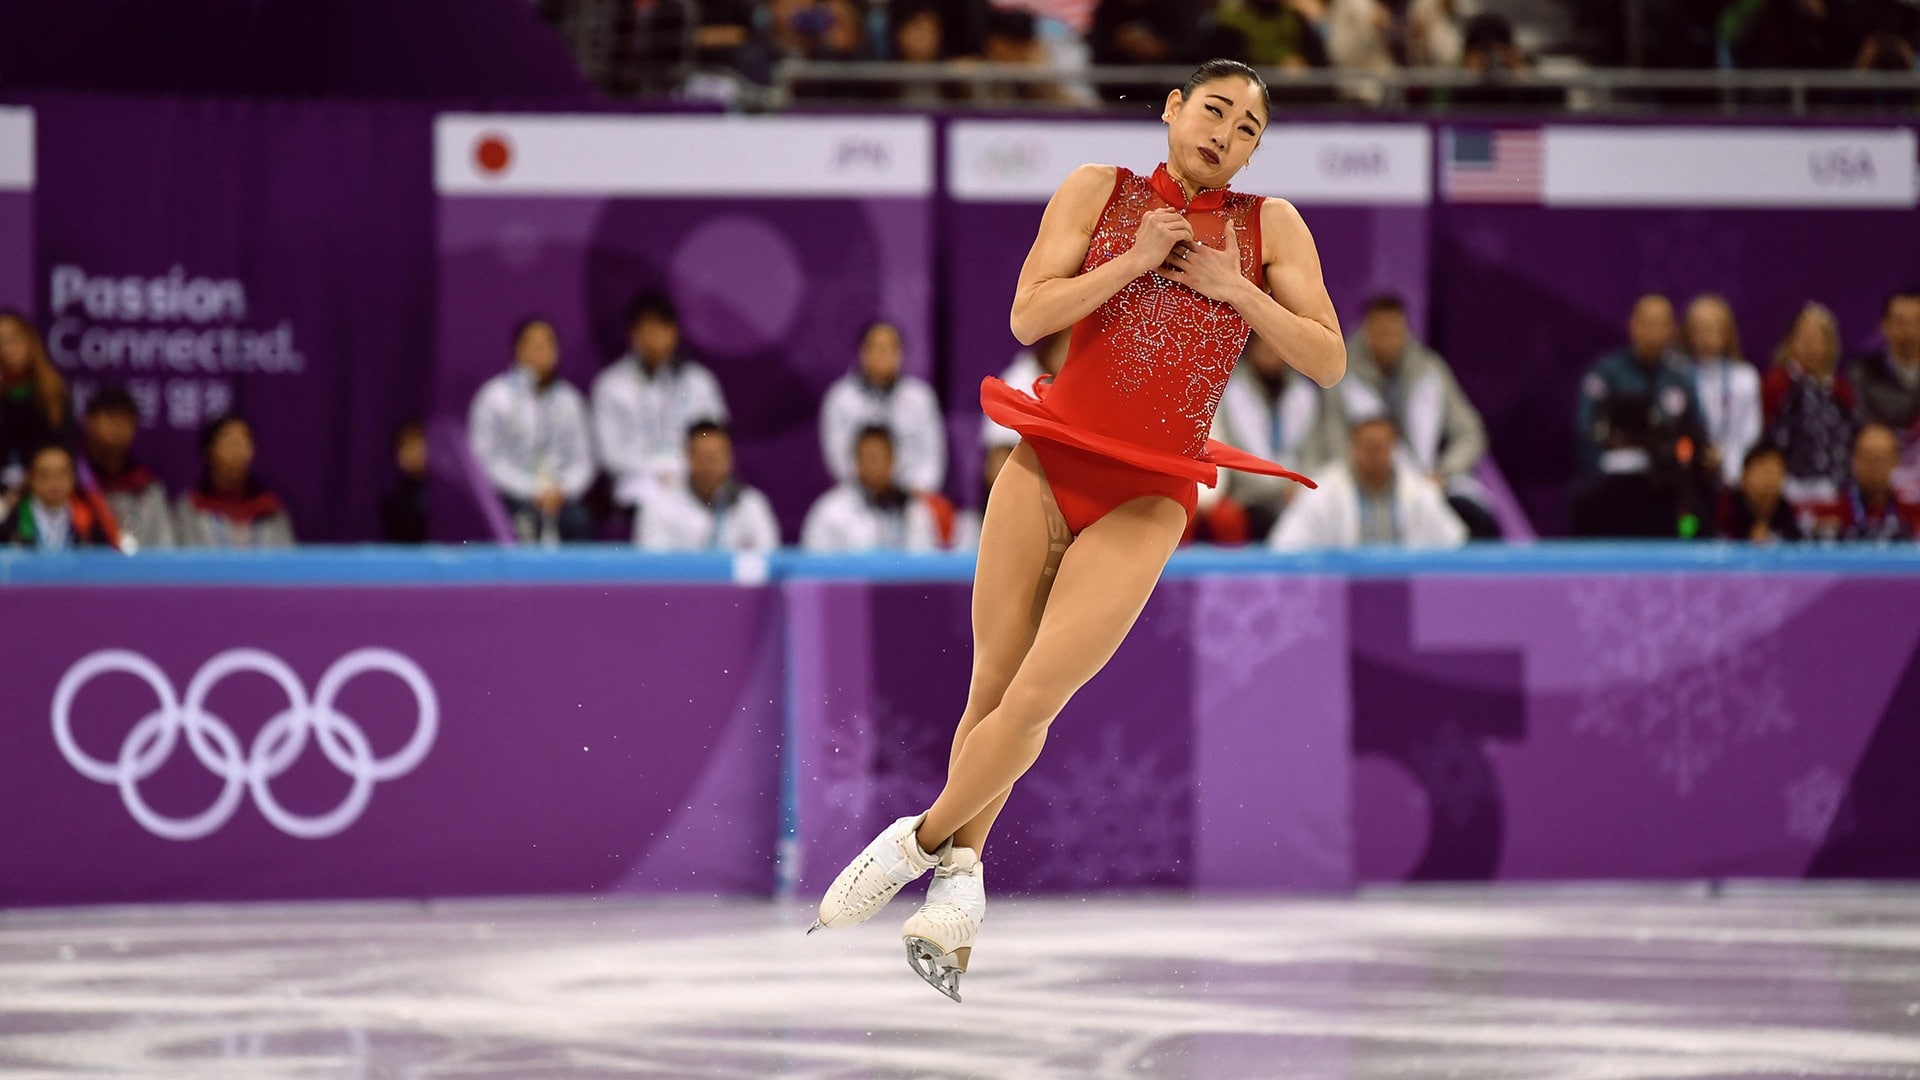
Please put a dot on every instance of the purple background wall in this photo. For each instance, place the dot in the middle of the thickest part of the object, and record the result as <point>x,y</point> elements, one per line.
<point>16,250</point>
<point>773,294</point>
<point>321,213</point>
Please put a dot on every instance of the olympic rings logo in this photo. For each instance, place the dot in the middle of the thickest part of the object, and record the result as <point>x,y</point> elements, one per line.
<point>274,750</point>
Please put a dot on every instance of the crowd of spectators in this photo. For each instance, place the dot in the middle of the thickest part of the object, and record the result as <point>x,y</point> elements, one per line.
<point>1679,435</point>
<point>655,46</point>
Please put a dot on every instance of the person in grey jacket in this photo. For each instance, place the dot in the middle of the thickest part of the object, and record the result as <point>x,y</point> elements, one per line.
<point>1390,373</point>
<point>230,507</point>
<point>131,490</point>
<point>1888,384</point>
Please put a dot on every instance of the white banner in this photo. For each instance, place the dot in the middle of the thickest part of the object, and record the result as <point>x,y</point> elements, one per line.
<point>16,149</point>
<point>1024,161</point>
<point>1730,167</point>
<point>691,156</point>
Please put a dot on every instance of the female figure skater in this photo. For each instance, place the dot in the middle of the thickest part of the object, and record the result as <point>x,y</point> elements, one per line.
<point>1162,278</point>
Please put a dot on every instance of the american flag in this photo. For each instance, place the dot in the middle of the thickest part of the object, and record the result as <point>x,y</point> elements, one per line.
<point>1499,166</point>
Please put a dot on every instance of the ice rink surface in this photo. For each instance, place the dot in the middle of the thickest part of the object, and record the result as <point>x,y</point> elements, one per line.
<point>1421,984</point>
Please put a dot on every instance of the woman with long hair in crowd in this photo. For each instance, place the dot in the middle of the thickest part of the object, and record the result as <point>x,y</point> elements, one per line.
<point>33,398</point>
<point>1162,277</point>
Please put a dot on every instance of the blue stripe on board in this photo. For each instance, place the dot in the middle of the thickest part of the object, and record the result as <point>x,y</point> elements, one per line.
<point>619,563</point>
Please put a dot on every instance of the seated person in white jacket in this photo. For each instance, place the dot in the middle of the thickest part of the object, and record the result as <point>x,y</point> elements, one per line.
<point>1271,411</point>
<point>711,510</point>
<point>871,511</point>
<point>1370,501</point>
<point>877,392</point>
<point>644,402</point>
<point>528,429</point>
<point>1047,357</point>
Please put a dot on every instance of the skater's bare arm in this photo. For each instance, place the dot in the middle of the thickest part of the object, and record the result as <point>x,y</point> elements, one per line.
<point>1053,294</point>
<point>1295,315</point>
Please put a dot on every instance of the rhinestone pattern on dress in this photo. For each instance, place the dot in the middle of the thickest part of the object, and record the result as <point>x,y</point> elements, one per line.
<point>1151,363</point>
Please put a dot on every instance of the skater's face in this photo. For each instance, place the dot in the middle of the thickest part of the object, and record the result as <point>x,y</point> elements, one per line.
<point>538,350</point>
<point>51,477</point>
<point>873,463</point>
<point>1875,453</point>
<point>1212,132</point>
<point>880,351</point>
<point>1651,327</point>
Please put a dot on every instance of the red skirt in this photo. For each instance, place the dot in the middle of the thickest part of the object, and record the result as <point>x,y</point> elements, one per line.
<point>1031,418</point>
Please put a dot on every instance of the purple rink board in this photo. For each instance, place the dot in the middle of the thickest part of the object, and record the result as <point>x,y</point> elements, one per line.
<point>1194,760</point>
<point>1635,726</point>
<point>589,739</point>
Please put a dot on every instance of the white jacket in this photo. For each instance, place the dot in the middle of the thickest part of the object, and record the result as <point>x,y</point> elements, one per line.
<point>525,437</point>
<point>674,519</point>
<point>1290,431</point>
<point>1019,375</point>
<point>1330,517</point>
<point>910,411</point>
<point>640,421</point>
<point>844,520</point>
<point>1729,392</point>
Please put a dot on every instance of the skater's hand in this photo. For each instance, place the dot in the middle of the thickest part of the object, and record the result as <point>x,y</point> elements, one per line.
<point>1211,272</point>
<point>1160,230</point>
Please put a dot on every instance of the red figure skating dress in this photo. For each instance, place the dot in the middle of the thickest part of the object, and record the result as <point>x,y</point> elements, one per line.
<point>1131,409</point>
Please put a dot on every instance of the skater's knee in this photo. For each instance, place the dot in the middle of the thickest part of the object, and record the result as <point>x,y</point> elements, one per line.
<point>1024,707</point>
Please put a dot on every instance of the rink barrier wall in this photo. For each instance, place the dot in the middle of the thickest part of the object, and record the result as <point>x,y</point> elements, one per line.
<point>379,722</point>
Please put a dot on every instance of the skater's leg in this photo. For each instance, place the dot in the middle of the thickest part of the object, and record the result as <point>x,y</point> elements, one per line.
<point>1022,538</point>
<point>1103,584</point>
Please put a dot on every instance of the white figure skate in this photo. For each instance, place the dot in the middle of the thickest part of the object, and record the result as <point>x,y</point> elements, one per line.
<point>940,936</point>
<point>892,861</point>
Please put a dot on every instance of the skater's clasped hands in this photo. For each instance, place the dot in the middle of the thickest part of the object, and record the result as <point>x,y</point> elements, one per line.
<point>1212,272</point>
<point>1160,230</point>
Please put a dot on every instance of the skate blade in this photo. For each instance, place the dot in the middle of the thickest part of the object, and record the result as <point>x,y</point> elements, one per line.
<point>942,972</point>
<point>817,925</point>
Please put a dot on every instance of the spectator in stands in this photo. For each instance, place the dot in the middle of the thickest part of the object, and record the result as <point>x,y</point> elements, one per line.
<point>1872,509</point>
<point>229,507</point>
<point>1649,369</point>
<point>1013,38</point>
<point>1141,32</point>
<point>1634,493</point>
<point>1755,510</point>
<point>528,430</point>
<point>1370,501</point>
<point>919,37</point>
<point>1888,383</point>
<point>33,398</point>
<point>711,511</point>
<point>730,36</point>
<point>1380,35</point>
<point>877,392</point>
<point>55,513</point>
<point>1489,51</point>
<point>644,403</point>
<point>1269,33</point>
<point>1274,412</point>
<point>1046,357</point>
<point>403,509</point>
<point>1392,374</point>
<point>1727,387</point>
<point>131,490</point>
<point>1809,408</point>
<point>870,511</point>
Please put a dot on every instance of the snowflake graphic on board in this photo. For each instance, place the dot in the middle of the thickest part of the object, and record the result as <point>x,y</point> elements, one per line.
<point>1115,817</point>
<point>881,764</point>
<point>1684,669</point>
<point>1254,623</point>
<point>1817,806</point>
